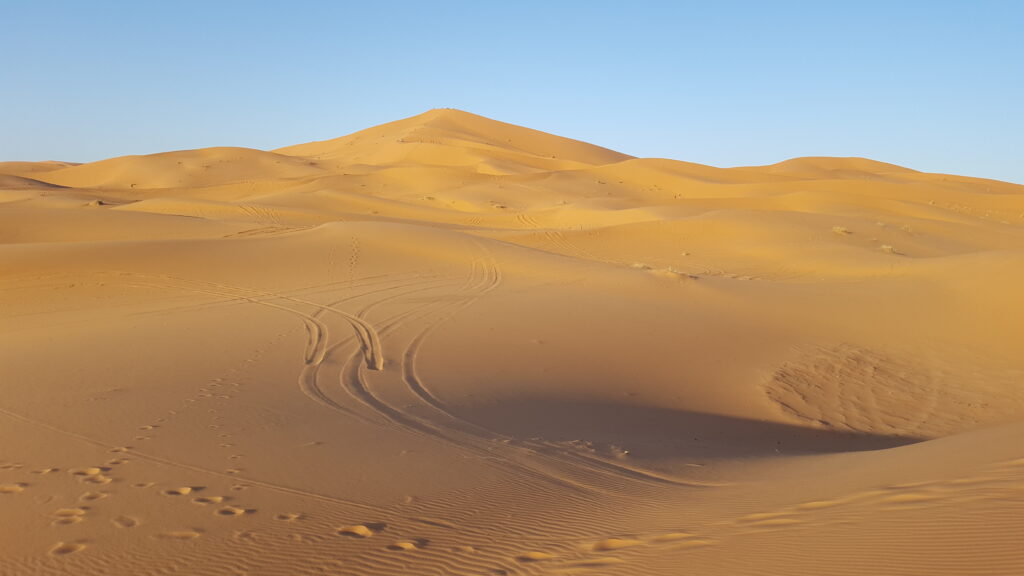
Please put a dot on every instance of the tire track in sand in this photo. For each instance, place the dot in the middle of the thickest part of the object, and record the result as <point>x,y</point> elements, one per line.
<point>448,421</point>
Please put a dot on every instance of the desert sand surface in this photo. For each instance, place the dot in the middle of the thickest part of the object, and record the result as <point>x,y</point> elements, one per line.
<point>450,345</point>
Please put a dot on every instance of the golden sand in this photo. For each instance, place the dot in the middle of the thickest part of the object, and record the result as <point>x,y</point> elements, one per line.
<point>449,345</point>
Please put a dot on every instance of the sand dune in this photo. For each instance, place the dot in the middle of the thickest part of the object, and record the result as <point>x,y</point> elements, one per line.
<point>185,169</point>
<point>455,138</point>
<point>12,182</point>
<point>450,345</point>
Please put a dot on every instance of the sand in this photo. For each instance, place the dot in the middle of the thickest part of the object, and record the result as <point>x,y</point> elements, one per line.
<point>449,345</point>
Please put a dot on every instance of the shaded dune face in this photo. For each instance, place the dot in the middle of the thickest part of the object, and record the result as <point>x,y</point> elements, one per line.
<point>451,345</point>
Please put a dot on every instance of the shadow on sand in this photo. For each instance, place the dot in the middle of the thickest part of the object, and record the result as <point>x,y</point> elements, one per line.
<point>652,432</point>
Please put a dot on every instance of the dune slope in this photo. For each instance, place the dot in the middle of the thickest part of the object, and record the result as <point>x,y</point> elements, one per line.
<point>450,345</point>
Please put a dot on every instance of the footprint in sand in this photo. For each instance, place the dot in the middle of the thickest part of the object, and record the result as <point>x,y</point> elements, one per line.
<point>92,475</point>
<point>86,472</point>
<point>407,545</point>
<point>289,517</point>
<point>14,488</point>
<point>362,530</point>
<point>182,491</point>
<point>125,521</point>
<point>65,548</point>
<point>205,500</point>
<point>70,512</point>
<point>46,470</point>
<point>234,511</point>
<point>93,496</point>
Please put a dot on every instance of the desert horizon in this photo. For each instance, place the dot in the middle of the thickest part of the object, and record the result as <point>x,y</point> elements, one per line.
<point>453,345</point>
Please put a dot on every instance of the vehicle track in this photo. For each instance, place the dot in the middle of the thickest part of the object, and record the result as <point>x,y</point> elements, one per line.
<point>484,277</point>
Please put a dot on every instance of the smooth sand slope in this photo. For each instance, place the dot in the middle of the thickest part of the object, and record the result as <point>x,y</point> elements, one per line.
<point>449,345</point>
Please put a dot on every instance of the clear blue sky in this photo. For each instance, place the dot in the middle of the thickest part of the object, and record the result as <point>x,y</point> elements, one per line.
<point>933,85</point>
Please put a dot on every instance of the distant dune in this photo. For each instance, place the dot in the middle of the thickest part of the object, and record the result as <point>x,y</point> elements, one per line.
<point>451,345</point>
<point>12,182</point>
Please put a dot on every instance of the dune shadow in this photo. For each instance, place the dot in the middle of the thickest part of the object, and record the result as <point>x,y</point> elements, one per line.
<point>653,432</point>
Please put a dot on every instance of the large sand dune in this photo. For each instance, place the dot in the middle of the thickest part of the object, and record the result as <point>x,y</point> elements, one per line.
<point>449,345</point>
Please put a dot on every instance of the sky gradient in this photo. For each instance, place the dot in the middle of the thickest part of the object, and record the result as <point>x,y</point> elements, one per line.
<point>935,86</point>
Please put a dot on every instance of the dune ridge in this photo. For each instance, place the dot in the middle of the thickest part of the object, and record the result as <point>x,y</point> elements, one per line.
<point>451,345</point>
